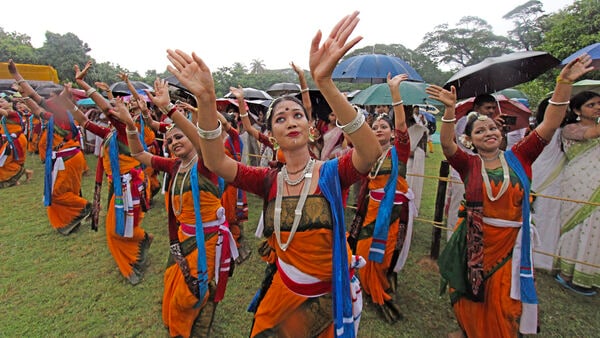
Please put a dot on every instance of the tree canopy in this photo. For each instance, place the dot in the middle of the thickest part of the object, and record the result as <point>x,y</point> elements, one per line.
<point>443,50</point>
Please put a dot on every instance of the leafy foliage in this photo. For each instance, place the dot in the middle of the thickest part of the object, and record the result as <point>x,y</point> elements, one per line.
<point>571,29</point>
<point>527,32</point>
<point>471,41</point>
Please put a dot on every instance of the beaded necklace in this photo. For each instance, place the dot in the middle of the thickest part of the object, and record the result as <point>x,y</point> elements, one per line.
<point>183,166</point>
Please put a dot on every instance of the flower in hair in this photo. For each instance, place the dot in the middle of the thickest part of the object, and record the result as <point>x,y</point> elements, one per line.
<point>475,115</point>
<point>465,142</point>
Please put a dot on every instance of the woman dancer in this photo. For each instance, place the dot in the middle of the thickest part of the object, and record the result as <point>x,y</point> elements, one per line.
<point>127,241</point>
<point>297,297</point>
<point>192,201</point>
<point>381,227</point>
<point>487,261</point>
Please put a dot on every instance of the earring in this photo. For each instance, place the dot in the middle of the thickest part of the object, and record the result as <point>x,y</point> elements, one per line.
<point>274,143</point>
<point>578,117</point>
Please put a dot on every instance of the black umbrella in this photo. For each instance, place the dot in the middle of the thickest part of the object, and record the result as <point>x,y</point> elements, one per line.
<point>283,88</point>
<point>497,73</point>
<point>252,94</point>
<point>121,89</point>
<point>320,107</point>
<point>47,88</point>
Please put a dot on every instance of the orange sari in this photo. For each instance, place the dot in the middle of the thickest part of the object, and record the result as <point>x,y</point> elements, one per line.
<point>290,306</point>
<point>374,276</point>
<point>182,312</point>
<point>68,207</point>
<point>130,253</point>
<point>12,167</point>
<point>498,315</point>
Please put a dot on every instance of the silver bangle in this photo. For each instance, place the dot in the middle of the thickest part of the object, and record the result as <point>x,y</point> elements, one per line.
<point>559,103</point>
<point>90,91</point>
<point>210,134</point>
<point>354,125</point>
<point>244,115</point>
<point>303,90</point>
<point>448,120</point>
<point>397,103</point>
<point>132,132</point>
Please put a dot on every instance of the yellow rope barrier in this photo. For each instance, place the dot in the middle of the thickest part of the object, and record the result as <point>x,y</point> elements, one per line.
<point>442,225</point>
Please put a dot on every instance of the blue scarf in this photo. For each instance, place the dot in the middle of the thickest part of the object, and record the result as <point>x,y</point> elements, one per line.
<point>9,138</point>
<point>528,293</point>
<point>48,164</point>
<point>142,137</point>
<point>113,153</point>
<point>329,183</point>
<point>382,222</point>
<point>202,267</point>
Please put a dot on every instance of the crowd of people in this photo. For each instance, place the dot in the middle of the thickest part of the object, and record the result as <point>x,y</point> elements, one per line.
<point>304,167</point>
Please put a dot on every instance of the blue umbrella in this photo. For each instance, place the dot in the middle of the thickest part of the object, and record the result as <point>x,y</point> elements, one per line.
<point>86,102</point>
<point>593,50</point>
<point>428,116</point>
<point>373,68</point>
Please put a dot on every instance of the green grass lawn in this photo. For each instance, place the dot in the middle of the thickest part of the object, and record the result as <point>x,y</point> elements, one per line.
<point>56,286</point>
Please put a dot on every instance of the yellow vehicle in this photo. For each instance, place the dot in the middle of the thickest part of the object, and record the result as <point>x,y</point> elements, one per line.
<point>30,72</point>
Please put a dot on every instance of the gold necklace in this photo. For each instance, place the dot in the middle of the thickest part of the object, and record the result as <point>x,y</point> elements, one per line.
<point>505,182</point>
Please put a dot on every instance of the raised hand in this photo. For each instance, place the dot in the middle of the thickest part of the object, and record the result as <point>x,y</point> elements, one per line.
<point>123,76</point>
<point>324,58</point>
<point>160,97</point>
<point>577,67</point>
<point>81,73</point>
<point>237,92</point>
<point>299,71</point>
<point>12,68</point>
<point>447,97</point>
<point>193,73</point>
<point>121,112</point>
<point>394,82</point>
<point>102,86</point>
<point>66,94</point>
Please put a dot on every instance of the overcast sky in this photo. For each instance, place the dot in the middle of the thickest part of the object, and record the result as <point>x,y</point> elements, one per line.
<point>136,34</point>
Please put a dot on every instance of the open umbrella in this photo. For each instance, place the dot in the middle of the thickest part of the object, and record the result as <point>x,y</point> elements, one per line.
<point>283,88</point>
<point>252,94</point>
<point>501,72</point>
<point>373,68</point>
<point>87,102</point>
<point>515,94</point>
<point>120,88</point>
<point>412,93</point>
<point>320,107</point>
<point>592,50</point>
<point>505,106</point>
<point>47,88</point>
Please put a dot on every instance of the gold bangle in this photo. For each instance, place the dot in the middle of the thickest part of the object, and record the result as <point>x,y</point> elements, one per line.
<point>563,81</point>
